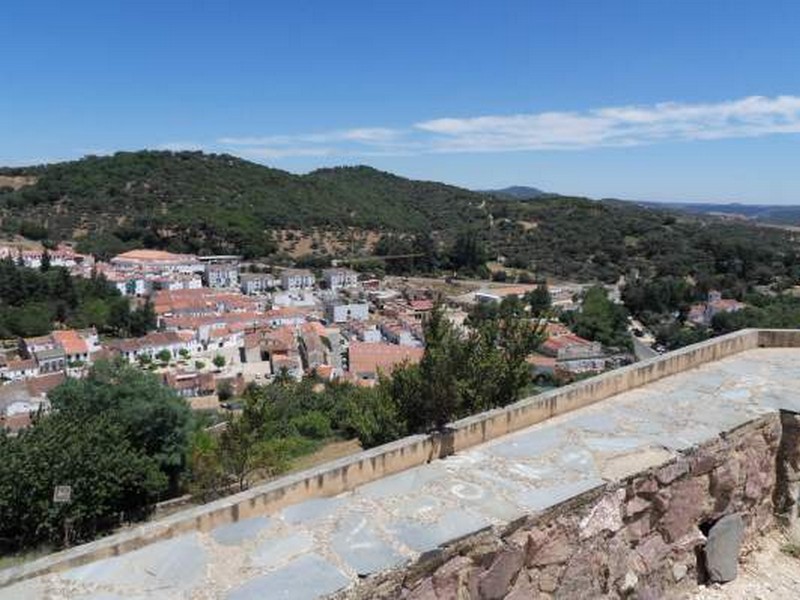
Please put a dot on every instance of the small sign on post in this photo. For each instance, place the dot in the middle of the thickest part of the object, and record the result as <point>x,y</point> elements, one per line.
<point>62,494</point>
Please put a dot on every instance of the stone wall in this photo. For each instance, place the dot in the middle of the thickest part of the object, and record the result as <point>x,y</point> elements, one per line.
<point>347,473</point>
<point>644,537</point>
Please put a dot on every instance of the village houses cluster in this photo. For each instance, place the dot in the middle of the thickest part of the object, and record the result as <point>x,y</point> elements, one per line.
<point>222,324</point>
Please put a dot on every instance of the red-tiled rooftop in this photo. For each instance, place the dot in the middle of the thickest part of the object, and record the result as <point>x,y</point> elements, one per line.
<point>371,358</point>
<point>71,342</point>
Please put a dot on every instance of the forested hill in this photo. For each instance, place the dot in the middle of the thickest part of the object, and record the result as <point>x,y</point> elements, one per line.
<point>204,202</point>
<point>195,202</point>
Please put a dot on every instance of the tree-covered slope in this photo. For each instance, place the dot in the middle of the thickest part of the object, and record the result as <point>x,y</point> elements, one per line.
<point>190,201</point>
<point>210,203</point>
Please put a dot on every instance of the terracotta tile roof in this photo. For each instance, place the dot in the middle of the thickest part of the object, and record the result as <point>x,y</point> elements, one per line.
<point>553,344</point>
<point>366,358</point>
<point>71,342</point>
<point>143,255</point>
<point>422,305</point>
<point>15,422</point>
<point>151,340</point>
<point>40,386</point>
<point>21,365</point>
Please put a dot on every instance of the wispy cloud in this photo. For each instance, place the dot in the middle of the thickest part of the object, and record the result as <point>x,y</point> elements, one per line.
<point>555,130</point>
<point>180,146</point>
<point>616,126</point>
<point>362,135</point>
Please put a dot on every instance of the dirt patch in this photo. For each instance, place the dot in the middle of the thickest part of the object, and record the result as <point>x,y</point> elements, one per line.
<point>16,182</point>
<point>528,225</point>
<point>327,453</point>
<point>339,242</point>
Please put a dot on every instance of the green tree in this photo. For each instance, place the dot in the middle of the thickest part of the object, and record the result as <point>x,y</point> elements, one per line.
<point>155,420</point>
<point>44,266</point>
<point>207,478</point>
<point>539,300</point>
<point>468,252</point>
<point>219,361</point>
<point>109,476</point>
<point>601,320</point>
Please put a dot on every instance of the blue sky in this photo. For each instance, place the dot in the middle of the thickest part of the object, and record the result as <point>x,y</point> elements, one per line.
<point>673,100</point>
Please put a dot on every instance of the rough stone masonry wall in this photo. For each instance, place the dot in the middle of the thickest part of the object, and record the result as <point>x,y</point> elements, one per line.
<point>640,538</point>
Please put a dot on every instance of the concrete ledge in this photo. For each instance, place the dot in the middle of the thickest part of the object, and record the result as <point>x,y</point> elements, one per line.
<point>349,472</point>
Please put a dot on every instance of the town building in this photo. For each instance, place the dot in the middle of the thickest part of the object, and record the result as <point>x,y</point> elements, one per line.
<point>338,311</point>
<point>367,361</point>
<point>157,262</point>
<point>150,345</point>
<point>704,313</point>
<point>297,279</point>
<point>257,283</point>
<point>222,274</point>
<point>339,278</point>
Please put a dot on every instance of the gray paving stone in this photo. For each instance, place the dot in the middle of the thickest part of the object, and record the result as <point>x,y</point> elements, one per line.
<point>521,446</point>
<point>25,590</point>
<point>310,510</point>
<point>403,483</point>
<point>305,578</point>
<point>424,507</point>
<point>423,536</point>
<point>278,550</point>
<point>239,532</point>
<point>547,496</point>
<point>175,565</point>
<point>360,546</point>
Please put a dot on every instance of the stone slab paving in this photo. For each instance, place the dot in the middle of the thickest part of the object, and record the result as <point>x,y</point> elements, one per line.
<point>323,545</point>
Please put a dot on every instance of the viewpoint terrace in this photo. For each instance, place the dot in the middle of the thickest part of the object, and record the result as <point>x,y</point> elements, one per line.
<point>606,488</point>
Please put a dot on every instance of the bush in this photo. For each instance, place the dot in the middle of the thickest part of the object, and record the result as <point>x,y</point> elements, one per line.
<point>313,424</point>
<point>500,276</point>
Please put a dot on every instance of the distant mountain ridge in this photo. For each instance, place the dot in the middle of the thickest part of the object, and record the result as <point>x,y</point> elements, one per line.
<point>762,213</point>
<point>519,192</point>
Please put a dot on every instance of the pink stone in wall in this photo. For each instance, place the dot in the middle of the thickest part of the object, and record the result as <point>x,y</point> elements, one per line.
<point>652,550</point>
<point>552,551</point>
<point>686,507</point>
<point>496,581</point>
<point>606,515</point>
<point>672,471</point>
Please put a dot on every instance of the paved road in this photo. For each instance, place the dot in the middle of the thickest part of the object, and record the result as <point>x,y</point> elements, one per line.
<point>642,351</point>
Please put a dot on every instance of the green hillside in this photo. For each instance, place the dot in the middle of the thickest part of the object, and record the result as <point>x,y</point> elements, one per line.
<point>198,202</point>
<point>204,203</point>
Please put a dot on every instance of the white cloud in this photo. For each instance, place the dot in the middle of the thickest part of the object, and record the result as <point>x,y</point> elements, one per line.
<point>266,153</point>
<point>615,126</point>
<point>363,135</point>
<point>554,130</point>
<point>180,146</point>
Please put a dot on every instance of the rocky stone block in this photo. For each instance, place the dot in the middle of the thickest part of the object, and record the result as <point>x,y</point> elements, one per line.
<point>496,581</point>
<point>606,515</point>
<point>687,505</point>
<point>549,551</point>
<point>722,548</point>
<point>652,550</point>
<point>669,473</point>
<point>456,579</point>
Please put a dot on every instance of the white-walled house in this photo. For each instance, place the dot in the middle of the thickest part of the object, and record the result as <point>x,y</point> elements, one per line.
<point>297,279</point>
<point>340,278</point>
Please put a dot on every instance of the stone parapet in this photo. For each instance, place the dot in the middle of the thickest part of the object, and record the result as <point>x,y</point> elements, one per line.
<point>642,537</point>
